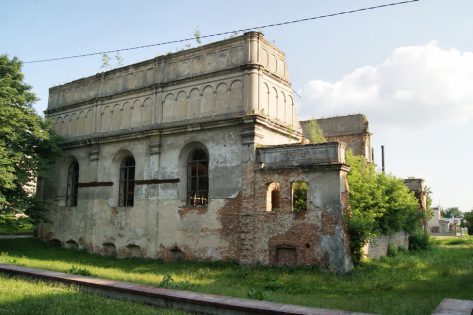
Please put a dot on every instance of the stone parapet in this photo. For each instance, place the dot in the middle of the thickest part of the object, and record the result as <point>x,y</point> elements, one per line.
<point>246,50</point>
<point>231,78</point>
<point>297,155</point>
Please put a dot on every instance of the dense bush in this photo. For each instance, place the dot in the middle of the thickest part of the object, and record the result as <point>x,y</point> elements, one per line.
<point>378,204</point>
<point>419,240</point>
<point>393,250</point>
<point>468,221</point>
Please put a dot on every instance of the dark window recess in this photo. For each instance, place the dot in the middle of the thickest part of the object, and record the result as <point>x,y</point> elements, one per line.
<point>126,194</point>
<point>273,197</point>
<point>72,184</point>
<point>275,200</point>
<point>286,256</point>
<point>198,178</point>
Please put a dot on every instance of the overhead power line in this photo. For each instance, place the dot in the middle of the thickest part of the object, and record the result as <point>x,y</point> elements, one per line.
<point>224,33</point>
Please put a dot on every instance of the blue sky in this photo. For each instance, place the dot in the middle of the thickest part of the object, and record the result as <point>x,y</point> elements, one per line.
<point>409,68</point>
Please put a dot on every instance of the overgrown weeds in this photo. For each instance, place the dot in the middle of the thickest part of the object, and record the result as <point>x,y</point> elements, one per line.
<point>25,296</point>
<point>79,271</point>
<point>11,224</point>
<point>409,282</point>
<point>420,241</point>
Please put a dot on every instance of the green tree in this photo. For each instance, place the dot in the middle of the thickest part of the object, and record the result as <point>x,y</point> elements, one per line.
<point>452,212</point>
<point>28,147</point>
<point>315,134</point>
<point>402,208</point>
<point>428,213</point>
<point>379,204</point>
<point>468,221</point>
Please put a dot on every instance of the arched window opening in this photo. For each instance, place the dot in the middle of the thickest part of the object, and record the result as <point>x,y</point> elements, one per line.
<point>72,184</point>
<point>299,196</point>
<point>273,197</point>
<point>126,194</point>
<point>198,178</point>
<point>275,200</point>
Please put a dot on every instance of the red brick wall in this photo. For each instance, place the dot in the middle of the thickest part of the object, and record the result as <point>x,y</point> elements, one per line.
<point>282,236</point>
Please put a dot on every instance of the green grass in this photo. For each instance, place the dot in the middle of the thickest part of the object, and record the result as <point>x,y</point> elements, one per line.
<point>409,283</point>
<point>455,241</point>
<point>21,296</point>
<point>10,225</point>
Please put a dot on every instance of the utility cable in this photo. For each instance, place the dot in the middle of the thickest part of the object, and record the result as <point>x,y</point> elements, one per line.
<point>224,33</point>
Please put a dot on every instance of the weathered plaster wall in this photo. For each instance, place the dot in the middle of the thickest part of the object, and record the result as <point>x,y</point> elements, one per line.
<point>245,74</point>
<point>378,247</point>
<point>230,99</point>
<point>342,125</point>
<point>159,220</point>
<point>234,226</point>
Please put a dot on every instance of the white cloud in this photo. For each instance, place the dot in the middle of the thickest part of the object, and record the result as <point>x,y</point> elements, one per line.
<point>415,88</point>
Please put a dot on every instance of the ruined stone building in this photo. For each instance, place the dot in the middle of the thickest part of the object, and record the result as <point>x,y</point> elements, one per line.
<point>195,155</point>
<point>353,130</point>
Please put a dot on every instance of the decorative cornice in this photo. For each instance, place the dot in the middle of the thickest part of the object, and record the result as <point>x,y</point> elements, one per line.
<point>308,167</point>
<point>159,86</point>
<point>159,129</point>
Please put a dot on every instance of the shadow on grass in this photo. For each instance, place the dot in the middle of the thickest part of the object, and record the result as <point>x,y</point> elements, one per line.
<point>10,225</point>
<point>21,295</point>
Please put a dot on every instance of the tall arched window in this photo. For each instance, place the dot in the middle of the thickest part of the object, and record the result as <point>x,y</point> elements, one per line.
<point>72,184</point>
<point>198,178</point>
<point>126,193</point>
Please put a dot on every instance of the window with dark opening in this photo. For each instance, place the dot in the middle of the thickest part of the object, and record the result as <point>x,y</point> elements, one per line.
<point>273,197</point>
<point>299,196</point>
<point>198,178</point>
<point>72,184</point>
<point>126,194</point>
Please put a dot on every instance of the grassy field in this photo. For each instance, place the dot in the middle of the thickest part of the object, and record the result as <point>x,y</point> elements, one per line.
<point>19,296</point>
<point>10,225</point>
<point>409,283</point>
